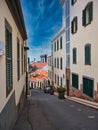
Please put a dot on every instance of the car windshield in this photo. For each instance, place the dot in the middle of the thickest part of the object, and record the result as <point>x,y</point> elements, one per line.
<point>48,86</point>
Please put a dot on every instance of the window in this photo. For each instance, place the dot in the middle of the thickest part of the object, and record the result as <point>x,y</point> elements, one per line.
<point>75,80</point>
<point>87,14</point>
<point>61,81</point>
<point>57,44</point>
<point>57,62</point>
<point>55,78</point>
<point>68,61</point>
<point>73,2</point>
<point>74,25</point>
<point>61,63</point>
<point>18,60</point>
<point>61,43</point>
<point>22,58</point>
<point>58,80</point>
<point>88,54</point>
<point>9,69</point>
<point>74,55</point>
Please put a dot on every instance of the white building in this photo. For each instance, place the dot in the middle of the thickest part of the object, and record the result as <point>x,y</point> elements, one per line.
<point>50,76</point>
<point>13,61</point>
<point>58,58</point>
<point>58,44</point>
<point>83,48</point>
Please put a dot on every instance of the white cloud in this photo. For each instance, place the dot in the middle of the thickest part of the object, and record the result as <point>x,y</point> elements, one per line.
<point>35,52</point>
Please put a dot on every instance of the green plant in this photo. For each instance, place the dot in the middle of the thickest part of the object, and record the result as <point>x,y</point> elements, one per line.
<point>61,90</point>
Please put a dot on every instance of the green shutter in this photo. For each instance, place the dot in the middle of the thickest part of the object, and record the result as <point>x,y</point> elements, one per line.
<point>84,17</point>
<point>88,85</point>
<point>9,76</point>
<point>76,23</point>
<point>87,54</point>
<point>74,56</point>
<point>75,80</point>
<point>72,27</point>
<point>90,11</point>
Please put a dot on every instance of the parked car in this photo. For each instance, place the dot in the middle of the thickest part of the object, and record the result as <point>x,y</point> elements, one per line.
<point>49,89</point>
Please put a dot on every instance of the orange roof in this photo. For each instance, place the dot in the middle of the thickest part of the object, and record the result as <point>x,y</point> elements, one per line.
<point>38,78</point>
<point>39,64</point>
<point>40,72</point>
<point>40,75</point>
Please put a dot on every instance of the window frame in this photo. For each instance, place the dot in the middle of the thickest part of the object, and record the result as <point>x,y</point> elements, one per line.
<point>74,25</point>
<point>61,63</point>
<point>57,44</point>
<point>73,2</point>
<point>61,42</point>
<point>86,55</point>
<point>18,59</point>
<point>74,54</point>
<point>87,10</point>
<point>74,81</point>
<point>9,58</point>
<point>58,63</point>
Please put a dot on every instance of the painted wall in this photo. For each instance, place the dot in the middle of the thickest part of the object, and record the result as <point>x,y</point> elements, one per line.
<point>17,85</point>
<point>85,35</point>
<point>58,54</point>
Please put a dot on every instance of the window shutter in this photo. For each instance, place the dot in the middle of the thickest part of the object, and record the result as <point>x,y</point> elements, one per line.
<point>87,54</point>
<point>76,20</point>
<point>90,11</point>
<point>72,2</point>
<point>75,80</point>
<point>72,27</point>
<point>74,56</point>
<point>84,17</point>
<point>9,80</point>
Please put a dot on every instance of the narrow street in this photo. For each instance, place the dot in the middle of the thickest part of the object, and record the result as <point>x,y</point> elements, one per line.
<point>46,112</point>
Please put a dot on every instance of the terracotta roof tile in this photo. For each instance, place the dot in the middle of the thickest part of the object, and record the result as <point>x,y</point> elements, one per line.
<point>39,64</point>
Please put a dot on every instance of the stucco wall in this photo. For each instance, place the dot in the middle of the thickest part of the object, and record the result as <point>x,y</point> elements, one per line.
<point>83,36</point>
<point>17,85</point>
<point>58,54</point>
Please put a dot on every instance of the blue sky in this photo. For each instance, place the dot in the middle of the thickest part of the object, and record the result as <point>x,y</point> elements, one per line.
<point>43,18</point>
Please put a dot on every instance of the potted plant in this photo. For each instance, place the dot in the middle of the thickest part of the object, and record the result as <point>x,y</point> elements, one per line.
<point>61,92</point>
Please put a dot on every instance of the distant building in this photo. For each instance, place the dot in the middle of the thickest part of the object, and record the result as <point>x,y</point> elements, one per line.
<point>58,64</point>
<point>50,76</point>
<point>43,58</point>
<point>38,76</point>
<point>13,62</point>
<point>58,59</point>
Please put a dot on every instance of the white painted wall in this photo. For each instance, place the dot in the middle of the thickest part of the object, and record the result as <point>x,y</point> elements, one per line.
<point>17,86</point>
<point>58,54</point>
<point>85,35</point>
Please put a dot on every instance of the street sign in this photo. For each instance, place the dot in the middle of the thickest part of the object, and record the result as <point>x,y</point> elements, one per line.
<point>2,48</point>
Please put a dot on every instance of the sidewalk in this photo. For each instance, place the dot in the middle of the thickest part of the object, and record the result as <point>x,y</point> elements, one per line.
<point>82,101</point>
<point>23,122</point>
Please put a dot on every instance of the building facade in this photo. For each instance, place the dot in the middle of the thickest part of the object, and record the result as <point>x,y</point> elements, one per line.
<point>13,62</point>
<point>83,49</point>
<point>50,76</point>
<point>58,44</point>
